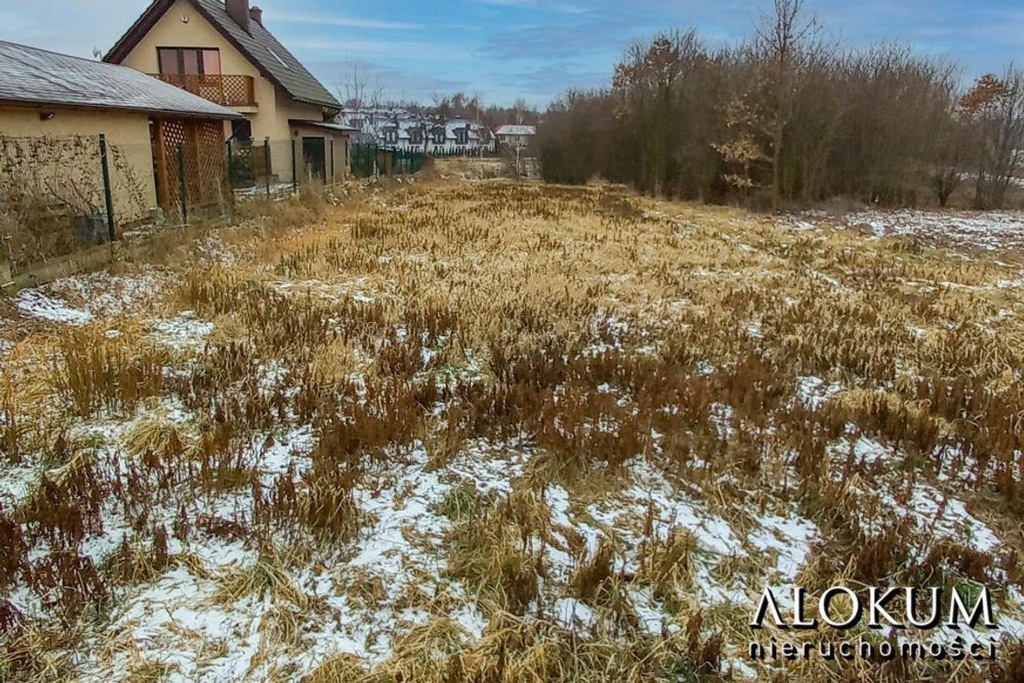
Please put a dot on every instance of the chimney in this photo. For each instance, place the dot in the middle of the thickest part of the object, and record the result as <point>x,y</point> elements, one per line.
<point>256,14</point>
<point>239,11</point>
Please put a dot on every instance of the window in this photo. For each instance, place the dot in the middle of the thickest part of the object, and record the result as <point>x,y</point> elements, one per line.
<point>462,136</point>
<point>189,61</point>
<point>241,131</point>
<point>416,136</point>
<point>439,136</point>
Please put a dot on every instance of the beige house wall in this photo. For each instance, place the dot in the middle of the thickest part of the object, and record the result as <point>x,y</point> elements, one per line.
<point>275,108</point>
<point>171,31</point>
<point>334,143</point>
<point>133,184</point>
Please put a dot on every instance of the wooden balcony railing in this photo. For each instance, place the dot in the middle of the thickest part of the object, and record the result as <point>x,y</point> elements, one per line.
<point>228,91</point>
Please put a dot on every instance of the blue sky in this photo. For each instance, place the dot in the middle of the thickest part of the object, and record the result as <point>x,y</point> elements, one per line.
<point>503,49</point>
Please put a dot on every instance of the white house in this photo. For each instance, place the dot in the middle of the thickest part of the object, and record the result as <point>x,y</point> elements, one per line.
<point>401,130</point>
<point>516,135</point>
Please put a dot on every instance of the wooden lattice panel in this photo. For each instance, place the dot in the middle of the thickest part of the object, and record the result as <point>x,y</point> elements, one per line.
<point>205,163</point>
<point>229,90</point>
<point>237,91</point>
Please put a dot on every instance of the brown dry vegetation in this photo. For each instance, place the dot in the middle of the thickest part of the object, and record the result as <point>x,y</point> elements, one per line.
<point>575,339</point>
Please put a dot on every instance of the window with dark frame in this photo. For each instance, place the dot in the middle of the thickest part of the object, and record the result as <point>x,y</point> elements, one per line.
<point>189,61</point>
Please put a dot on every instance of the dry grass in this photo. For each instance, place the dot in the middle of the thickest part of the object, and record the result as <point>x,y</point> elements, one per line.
<point>586,334</point>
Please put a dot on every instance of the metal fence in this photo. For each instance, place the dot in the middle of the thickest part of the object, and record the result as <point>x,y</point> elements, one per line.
<point>369,159</point>
<point>270,167</point>
<point>62,194</point>
<point>59,194</point>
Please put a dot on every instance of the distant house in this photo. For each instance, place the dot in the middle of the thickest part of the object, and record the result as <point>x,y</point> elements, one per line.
<point>222,52</point>
<point>402,130</point>
<point>516,135</point>
<point>46,95</point>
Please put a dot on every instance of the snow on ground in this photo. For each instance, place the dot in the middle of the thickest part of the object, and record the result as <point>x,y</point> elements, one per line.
<point>35,304</point>
<point>990,231</point>
<point>395,565</point>
<point>814,392</point>
<point>79,299</point>
<point>104,294</point>
<point>184,330</point>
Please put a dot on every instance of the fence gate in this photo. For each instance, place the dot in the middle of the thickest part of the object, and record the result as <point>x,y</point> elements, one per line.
<point>368,157</point>
<point>190,164</point>
<point>363,159</point>
<point>407,162</point>
<point>249,164</point>
<point>314,158</point>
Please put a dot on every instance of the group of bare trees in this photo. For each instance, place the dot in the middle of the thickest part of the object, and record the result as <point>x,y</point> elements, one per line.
<point>790,117</point>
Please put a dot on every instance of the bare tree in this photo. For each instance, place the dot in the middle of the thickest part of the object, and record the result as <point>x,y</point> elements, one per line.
<point>782,37</point>
<point>648,99</point>
<point>368,94</point>
<point>949,168</point>
<point>995,110</point>
<point>519,110</point>
<point>786,117</point>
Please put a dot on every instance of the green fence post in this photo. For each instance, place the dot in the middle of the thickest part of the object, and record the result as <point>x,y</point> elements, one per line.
<point>183,189</point>
<point>295,170</point>
<point>231,166</point>
<point>266,164</point>
<point>108,195</point>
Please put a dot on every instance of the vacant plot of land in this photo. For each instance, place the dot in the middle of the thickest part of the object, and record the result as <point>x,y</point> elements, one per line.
<point>977,231</point>
<point>491,432</point>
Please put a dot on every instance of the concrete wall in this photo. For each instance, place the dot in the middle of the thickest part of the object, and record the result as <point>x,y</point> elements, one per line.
<point>131,169</point>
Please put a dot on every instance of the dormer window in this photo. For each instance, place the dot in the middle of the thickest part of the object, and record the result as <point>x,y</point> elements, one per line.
<point>439,136</point>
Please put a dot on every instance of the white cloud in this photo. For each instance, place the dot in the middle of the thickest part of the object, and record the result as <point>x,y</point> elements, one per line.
<point>348,22</point>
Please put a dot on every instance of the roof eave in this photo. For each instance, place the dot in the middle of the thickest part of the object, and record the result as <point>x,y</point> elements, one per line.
<point>334,107</point>
<point>127,42</point>
<point>33,104</point>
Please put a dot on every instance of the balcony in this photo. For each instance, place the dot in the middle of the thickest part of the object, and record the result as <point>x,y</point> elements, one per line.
<point>227,91</point>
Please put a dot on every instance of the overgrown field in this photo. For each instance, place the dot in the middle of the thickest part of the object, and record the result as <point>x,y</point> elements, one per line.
<point>488,432</point>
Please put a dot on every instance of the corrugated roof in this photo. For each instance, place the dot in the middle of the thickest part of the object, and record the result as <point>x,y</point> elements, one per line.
<point>29,75</point>
<point>272,58</point>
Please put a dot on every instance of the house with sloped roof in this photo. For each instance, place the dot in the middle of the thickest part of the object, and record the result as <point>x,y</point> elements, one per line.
<point>515,135</point>
<point>222,51</point>
<point>399,129</point>
<point>51,101</point>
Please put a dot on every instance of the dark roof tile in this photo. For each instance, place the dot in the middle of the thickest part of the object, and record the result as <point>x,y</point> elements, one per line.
<point>272,57</point>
